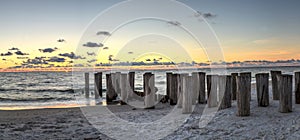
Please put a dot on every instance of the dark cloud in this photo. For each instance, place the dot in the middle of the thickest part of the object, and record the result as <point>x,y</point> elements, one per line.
<point>130,52</point>
<point>110,58</point>
<point>20,53</point>
<point>56,59</point>
<point>91,54</point>
<point>35,61</point>
<point>105,33</point>
<point>7,54</point>
<point>92,61</point>
<point>205,15</point>
<point>105,48</point>
<point>93,45</point>
<point>48,50</point>
<point>71,55</point>
<point>61,40</point>
<point>174,23</point>
<point>13,49</point>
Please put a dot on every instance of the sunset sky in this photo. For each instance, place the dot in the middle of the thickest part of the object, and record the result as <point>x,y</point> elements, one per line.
<point>52,29</point>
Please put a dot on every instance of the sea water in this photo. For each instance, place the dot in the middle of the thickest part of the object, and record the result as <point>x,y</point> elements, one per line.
<point>65,89</point>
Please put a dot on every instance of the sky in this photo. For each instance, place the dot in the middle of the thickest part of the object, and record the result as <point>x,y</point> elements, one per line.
<point>245,30</point>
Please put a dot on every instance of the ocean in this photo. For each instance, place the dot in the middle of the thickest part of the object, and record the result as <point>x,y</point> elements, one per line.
<point>33,90</point>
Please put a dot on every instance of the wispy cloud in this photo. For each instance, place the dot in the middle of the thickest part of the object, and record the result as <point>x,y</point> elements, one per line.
<point>71,55</point>
<point>48,50</point>
<point>21,53</point>
<point>105,33</point>
<point>93,45</point>
<point>7,54</point>
<point>14,49</point>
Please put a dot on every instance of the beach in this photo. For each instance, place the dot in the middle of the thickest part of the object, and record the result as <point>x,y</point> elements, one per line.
<point>70,123</point>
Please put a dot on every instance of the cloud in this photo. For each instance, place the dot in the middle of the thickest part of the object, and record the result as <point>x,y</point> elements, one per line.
<point>48,50</point>
<point>91,54</point>
<point>105,48</point>
<point>174,23</point>
<point>21,53</point>
<point>93,45</point>
<point>13,49</point>
<point>35,61</point>
<point>7,54</point>
<point>110,58</point>
<point>267,41</point>
<point>92,61</point>
<point>105,33</point>
<point>71,55</point>
<point>61,40</point>
<point>56,59</point>
<point>130,52</point>
<point>205,15</point>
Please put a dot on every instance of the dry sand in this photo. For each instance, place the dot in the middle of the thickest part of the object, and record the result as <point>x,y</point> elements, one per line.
<point>264,123</point>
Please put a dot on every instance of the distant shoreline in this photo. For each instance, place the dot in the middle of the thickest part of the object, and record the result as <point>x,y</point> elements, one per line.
<point>148,68</point>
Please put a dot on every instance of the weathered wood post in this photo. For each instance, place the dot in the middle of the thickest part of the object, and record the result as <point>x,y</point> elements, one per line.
<point>275,90</point>
<point>87,85</point>
<point>248,82</point>
<point>208,85</point>
<point>124,85</point>
<point>225,91</point>
<point>285,93</point>
<point>234,85</point>
<point>202,98</point>
<point>110,90</point>
<point>173,93</point>
<point>117,86</point>
<point>187,94</point>
<point>131,89</point>
<point>213,95</point>
<point>195,87</point>
<point>180,89</point>
<point>149,90</point>
<point>169,83</point>
<point>243,101</point>
<point>262,87</point>
<point>98,85</point>
<point>297,87</point>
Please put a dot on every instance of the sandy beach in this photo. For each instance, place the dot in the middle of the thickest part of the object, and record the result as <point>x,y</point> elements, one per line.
<point>264,123</point>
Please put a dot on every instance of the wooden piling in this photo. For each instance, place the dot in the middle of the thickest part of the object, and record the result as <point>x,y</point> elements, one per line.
<point>169,83</point>
<point>195,87</point>
<point>202,98</point>
<point>213,95</point>
<point>131,89</point>
<point>124,85</point>
<point>187,94</point>
<point>243,101</point>
<point>180,89</point>
<point>110,90</point>
<point>285,93</point>
<point>117,86</point>
<point>234,85</point>
<point>275,90</point>
<point>262,87</point>
<point>248,82</point>
<point>98,85</point>
<point>225,91</point>
<point>149,90</point>
<point>208,80</point>
<point>297,87</point>
<point>87,85</point>
<point>173,93</point>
